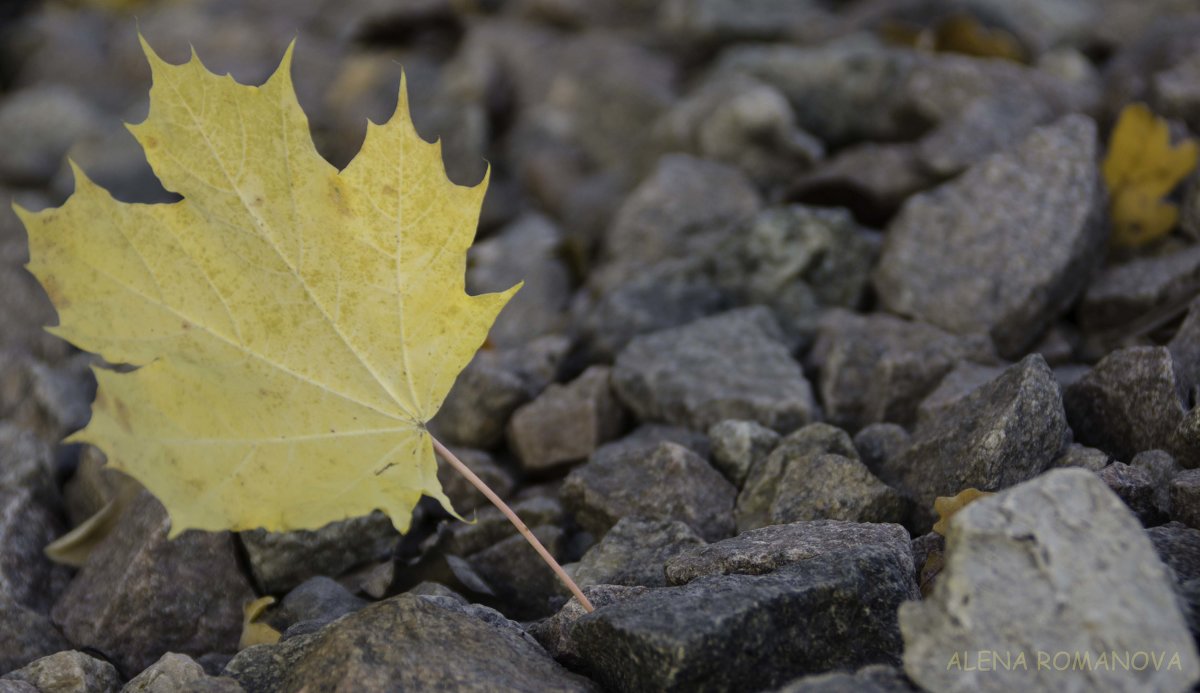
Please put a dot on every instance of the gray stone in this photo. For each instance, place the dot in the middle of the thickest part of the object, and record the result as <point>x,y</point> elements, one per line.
<point>491,527</point>
<point>740,445</point>
<point>69,672</point>
<point>768,549</point>
<point>25,635</point>
<point>955,385</point>
<point>876,678</point>
<point>646,437</point>
<point>1161,468</point>
<point>708,23</point>
<point>14,686</point>
<point>1185,441</point>
<point>747,370</point>
<point>1185,352</point>
<point>30,509</point>
<point>566,422</point>
<point>1177,91</point>
<point>1004,432</point>
<point>675,212</point>
<point>762,484</point>
<point>316,601</point>
<point>1179,547</point>
<point>1055,564</point>
<point>554,633</point>
<point>880,446</point>
<point>280,561</point>
<point>1185,498</point>
<point>462,493</point>
<point>39,124</point>
<point>1127,403</point>
<point>1126,295</point>
<point>877,368</point>
<point>833,487</point>
<point>172,672</point>
<point>1084,457</point>
<point>523,585</point>
<point>116,602</point>
<point>749,632</point>
<point>491,388</point>
<point>408,643</point>
<point>633,553</point>
<point>987,125</point>
<point>871,179</point>
<point>687,489</point>
<point>743,122</point>
<point>1136,488</point>
<point>527,250</point>
<point>948,255</point>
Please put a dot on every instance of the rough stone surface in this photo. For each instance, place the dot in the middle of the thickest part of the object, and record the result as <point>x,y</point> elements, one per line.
<point>1135,487</point>
<point>283,560</point>
<point>518,578</point>
<point>1082,456</point>
<point>1127,403</point>
<point>833,487</point>
<point>1054,564</point>
<point>946,258</point>
<point>767,549</point>
<point>876,678</point>
<point>880,446</point>
<point>69,672</point>
<point>25,635</point>
<point>462,494</point>
<point>314,602</point>
<point>725,632</point>
<point>40,124</point>
<point>956,384</point>
<point>1185,441</point>
<point>729,366</point>
<point>877,368</point>
<point>1185,353</point>
<point>634,552</point>
<point>125,601</point>
<point>410,643</point>
<point>30,518</point>
<point>554,633</point>
<point>1185,498</point>
<point>1161,468</point>
<point>687,489</point>
<point>738,446</point>
<point>172,672</point>
<point>762,485</point>
<point>1179,547</point>
<point>1004,432</point>
<point>566,422</point>
<point>1123,295</point>
<point>648,436</point>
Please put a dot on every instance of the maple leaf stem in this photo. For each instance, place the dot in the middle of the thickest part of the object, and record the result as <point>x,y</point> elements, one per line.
<point>478,483</point>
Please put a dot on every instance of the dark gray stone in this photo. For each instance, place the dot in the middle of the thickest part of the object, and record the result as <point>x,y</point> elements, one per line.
<point>987,125</point>
<point>1127,403</point>
<point>554,633</point>
<point>955,385</point>
<point>408,643</point>
<point>738,446</point>
<point>172,672</point>
<point>462,493</point>
<point>1178,546</point>
<point>1185,352</point>
<point>880,446</point>
<point>566,423</point>
<point>491,527</point>
<point>729,366</point>
<point>633,553</point>
<point>40,123</point>
<point>761,488</point>
<point>767,549</point>
<point>280,561</point>
<point>1125,295</point>
<point>877,368</point>
<point>491,388</point>
<point>872,179</point>
<point>1055,564</point>
<point>708,23</point>
<point>1004,432</point>
<point>1185,441</point>
<point>876,678</point>
<point>1136,488</point>
<point>948,256</point>
<point>25,635</point>
<point>523,585</point>
<point>527,250</point>
<point>30,518</point>
<point>1084,457</point>
<point>646,437</point>
<point>125,601</point>
<point>748,632</point>
<point>69,672</point>
<point>317,601</point>
<point>1161,468</point>
<point>687,488</point>
<point>833,487</point>
<point>1185,498</point>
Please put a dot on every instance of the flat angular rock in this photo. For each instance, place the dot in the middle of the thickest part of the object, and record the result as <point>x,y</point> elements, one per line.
<point>116,602</point>
<point>172,672</point>
<point>1179,547</point>
<point>566,422</point>
<point>684,487</point>
<point>738,446</point>
<point>1082,456</point>
<point>412,643</point>
<point>1123,294</point>
<point>1004,432</point>
<point>283,560</point>
<point>1057,564</point>
<point>1136,488</point>
<point>749,632</point>
<point>877,368</point>
<point>634,552</point>
<point>69,672</point>
<point>729,366</point>
<point>833,487</point>
<point>523,587</point>
<point>1185,498</point>
<point>949,257</point>
<point>1128,403</point>
<point>316,601</point>
<point>554,633</point>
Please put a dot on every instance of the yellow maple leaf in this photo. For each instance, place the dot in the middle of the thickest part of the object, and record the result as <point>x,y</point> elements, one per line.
<point>1142,168</point>
<point>295,326</point>
<point>947,506</point>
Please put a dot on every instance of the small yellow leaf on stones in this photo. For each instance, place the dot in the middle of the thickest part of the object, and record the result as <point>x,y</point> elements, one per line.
<point>946,506</point>
<point>253,632</point>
